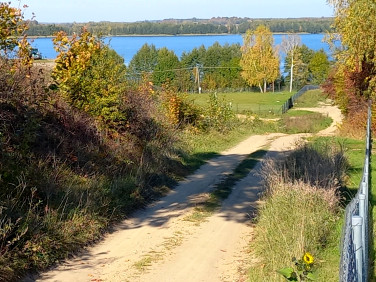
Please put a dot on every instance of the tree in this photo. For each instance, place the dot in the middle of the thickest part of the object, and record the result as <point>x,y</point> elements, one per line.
<point>355,21</point>
<point>144,60</point>
<point>166,67</point>
<point>221,66</point>
<point>290,44</point>
<point>319,67</point>
<point>301,74</point>
<point>12,28</point>
<point>90,74</point>
<point>259,61</point>
<point>213,57</point>
<point>193,62</point>
<point>193,58</point>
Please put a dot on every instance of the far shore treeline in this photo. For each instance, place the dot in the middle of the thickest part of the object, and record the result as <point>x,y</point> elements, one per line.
<point>232,25</point>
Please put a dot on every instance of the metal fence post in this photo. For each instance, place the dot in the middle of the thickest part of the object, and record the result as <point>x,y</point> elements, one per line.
<point>363,186</point>
<point>354,254</point>
<point>358,248</point>
<point>364,216</point>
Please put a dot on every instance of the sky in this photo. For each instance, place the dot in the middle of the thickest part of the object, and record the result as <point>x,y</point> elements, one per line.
<point>62,11</point>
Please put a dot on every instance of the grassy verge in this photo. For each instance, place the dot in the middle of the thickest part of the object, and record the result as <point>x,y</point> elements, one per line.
<point>301,214</point>
<point>281,240</point>
<point>311,99</point>
<point>355,152</point>
<point>304,122</point>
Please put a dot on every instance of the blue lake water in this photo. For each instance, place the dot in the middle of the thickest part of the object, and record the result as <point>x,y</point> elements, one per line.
<point>127,46</point>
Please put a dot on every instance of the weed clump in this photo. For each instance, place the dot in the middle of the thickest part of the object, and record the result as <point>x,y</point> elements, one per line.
<point>321,164</point>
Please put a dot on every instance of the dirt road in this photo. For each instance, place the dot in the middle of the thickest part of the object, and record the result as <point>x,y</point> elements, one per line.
<point>159,244</point>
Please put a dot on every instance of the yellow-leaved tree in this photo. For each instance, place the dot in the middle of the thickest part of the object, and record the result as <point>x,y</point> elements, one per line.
<point>353,79</point>
<point>260,61</point>
<point>13,43</point>
<point>90,75</point>
<point>355,21</point>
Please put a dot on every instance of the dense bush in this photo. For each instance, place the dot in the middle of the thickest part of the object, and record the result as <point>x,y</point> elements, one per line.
<point>218,115</point>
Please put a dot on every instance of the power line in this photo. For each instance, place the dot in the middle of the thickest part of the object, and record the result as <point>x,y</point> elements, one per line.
<point>179,69</point>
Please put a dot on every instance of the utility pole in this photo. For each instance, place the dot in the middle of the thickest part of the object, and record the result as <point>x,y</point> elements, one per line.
<point>197,78</point>
<point>292,69</point>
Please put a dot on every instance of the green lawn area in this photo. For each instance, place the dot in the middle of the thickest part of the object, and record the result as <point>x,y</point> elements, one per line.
<point>311,99</point>
<point>263,104</point>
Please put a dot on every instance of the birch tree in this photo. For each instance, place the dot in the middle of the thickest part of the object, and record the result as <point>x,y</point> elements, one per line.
<point>290,45</point>
<point>260,61</point>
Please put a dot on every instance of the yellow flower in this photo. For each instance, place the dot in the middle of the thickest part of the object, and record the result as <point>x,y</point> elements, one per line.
<point>308,258</point>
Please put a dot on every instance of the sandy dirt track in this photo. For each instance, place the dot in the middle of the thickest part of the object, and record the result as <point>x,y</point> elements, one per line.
<point>158,244</point>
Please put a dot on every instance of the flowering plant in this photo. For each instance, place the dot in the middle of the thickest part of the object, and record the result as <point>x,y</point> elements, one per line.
<point>302,270</point>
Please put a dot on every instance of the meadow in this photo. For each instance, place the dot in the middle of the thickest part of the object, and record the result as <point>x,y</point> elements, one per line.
<point>263,104</point>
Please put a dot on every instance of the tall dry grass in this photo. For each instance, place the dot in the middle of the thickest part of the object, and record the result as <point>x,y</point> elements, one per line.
<point>300,211</point>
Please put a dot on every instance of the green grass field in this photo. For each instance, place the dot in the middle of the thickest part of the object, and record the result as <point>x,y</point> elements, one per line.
<point>311,99</point>
<point>263,104</point>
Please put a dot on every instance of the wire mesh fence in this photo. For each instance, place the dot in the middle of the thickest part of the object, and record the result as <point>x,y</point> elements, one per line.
<point>355,239</point>
<point>290,102</point>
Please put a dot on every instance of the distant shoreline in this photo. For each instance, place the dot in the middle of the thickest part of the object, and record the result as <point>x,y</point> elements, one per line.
<point>170,35</point>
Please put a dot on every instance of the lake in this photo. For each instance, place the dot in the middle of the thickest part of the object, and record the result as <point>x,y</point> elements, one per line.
<point>127,46</point>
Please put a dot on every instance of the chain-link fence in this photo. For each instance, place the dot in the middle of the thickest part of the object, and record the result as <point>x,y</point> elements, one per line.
<point>290,102</point>
<point>355,238</point>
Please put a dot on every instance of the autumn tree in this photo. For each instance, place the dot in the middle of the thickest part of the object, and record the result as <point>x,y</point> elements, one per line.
<point>90,74</point>
<point>13,42</point>
<point>353,80</point>
<point>355,21</point>
<point>259,61</point>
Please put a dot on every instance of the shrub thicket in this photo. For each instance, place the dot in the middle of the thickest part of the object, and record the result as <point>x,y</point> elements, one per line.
<point>68,164</point>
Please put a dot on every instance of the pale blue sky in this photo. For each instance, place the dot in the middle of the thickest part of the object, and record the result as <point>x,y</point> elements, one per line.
<point>138,10</point>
